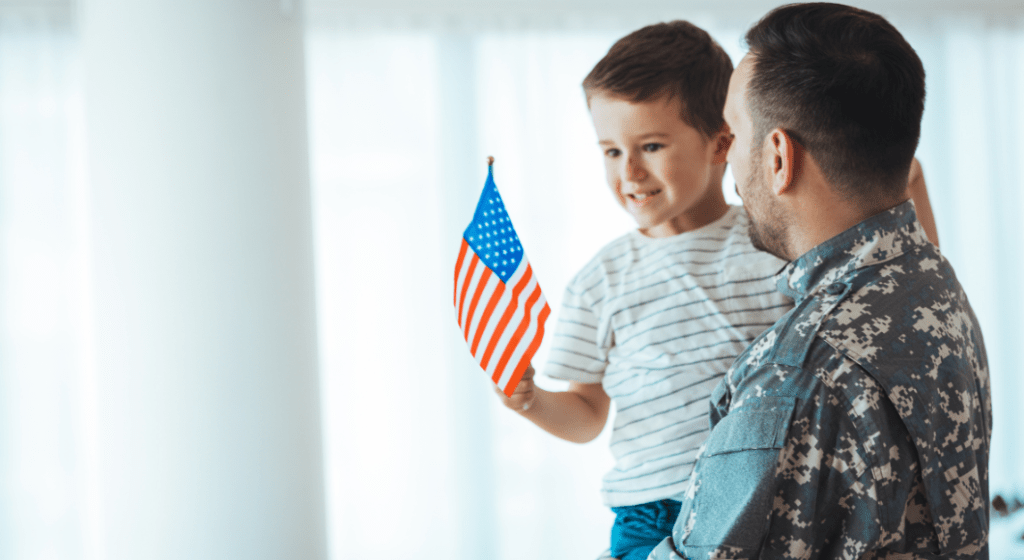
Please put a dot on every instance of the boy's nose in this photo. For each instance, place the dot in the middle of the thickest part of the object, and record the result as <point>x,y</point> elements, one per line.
<point>634,171</point>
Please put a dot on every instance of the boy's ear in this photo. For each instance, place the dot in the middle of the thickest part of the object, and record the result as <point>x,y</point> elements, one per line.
<point>722,142</point>
<point>782,153</point>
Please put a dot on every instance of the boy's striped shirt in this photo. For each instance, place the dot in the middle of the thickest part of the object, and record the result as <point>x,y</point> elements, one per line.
<point>658,322</point>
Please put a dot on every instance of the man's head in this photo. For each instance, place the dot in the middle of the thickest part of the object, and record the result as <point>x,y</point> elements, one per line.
<point>656,100</point>
<point>839,85</point>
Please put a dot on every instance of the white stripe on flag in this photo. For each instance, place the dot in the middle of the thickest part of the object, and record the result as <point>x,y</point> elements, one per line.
<point>480,267</point>
<point>492,284</point>
<point>499,311</point>
<point>460,280</point>
<point>513,324</point>
<point>527,339</point>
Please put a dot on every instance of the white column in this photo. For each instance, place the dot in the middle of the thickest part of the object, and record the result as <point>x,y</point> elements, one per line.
<point>206,387</point>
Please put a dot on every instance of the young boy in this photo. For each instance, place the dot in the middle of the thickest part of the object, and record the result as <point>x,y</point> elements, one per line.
<point>658,315</point>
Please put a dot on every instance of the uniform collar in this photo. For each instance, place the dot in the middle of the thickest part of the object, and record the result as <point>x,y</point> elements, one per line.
<point>880,238</point>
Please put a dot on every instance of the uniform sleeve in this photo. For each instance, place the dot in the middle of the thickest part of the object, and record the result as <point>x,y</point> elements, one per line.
<point>799,478</point>
<point>578,352</point>
<point>726,510</point>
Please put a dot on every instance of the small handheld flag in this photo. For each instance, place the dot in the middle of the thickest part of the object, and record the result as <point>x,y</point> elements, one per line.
<point>498,303</point>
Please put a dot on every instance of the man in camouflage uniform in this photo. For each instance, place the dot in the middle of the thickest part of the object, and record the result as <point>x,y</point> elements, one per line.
<point>857,426</point>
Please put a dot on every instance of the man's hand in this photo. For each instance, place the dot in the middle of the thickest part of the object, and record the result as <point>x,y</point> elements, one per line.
<point>917,190</point>
<point>916,174</point>
<point>522,399</point>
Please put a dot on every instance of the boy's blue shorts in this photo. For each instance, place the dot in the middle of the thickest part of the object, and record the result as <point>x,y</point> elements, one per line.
<point>638,529</point>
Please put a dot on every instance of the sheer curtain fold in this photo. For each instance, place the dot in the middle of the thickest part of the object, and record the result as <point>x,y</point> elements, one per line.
<point>42,513</point>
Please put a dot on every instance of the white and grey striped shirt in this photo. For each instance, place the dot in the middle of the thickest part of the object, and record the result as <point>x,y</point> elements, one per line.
<point>658,322</point>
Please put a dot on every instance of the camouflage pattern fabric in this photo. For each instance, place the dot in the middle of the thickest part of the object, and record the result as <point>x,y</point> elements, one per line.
<point>857,426</point>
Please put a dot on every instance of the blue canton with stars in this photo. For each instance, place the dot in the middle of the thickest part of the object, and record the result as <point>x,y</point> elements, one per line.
<point>490,234</point>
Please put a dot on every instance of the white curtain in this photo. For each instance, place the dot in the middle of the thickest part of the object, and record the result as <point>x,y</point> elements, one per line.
<point>45,435</point>
<point>421,458</point>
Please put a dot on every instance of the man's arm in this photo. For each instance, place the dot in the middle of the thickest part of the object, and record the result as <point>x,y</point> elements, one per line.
<point>918,191</point>
<point>810,492</point>
<point>577,415</point>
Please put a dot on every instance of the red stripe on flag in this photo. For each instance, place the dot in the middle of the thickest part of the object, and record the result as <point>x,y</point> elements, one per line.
<point>517,375</point>
<point>506,317</point>
<point>465,285</point>
<point>458,267</point>
<point>476,299</point>
<point>513,343</point>
<point>482,325</point>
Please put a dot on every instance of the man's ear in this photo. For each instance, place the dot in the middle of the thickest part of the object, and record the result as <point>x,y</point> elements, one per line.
<point>781,151</point>
<point>722,140</point>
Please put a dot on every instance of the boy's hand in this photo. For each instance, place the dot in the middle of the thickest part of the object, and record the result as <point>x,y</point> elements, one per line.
<point>523,397</point>
<point>577,414</point>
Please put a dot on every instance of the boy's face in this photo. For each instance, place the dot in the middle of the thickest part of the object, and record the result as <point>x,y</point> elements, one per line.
<point>664,172</point>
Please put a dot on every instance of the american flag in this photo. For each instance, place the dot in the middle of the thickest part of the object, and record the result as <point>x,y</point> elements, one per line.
<point>498,303</point>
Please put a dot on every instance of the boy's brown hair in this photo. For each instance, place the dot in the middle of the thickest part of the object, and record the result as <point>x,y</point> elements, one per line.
<point>677,59</point>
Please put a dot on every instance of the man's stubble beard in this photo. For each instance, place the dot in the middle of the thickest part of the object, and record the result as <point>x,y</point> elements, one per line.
<point>767,234</point>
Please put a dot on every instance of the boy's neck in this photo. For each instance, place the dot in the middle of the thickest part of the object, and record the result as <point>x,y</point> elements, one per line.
<point>705,212</point>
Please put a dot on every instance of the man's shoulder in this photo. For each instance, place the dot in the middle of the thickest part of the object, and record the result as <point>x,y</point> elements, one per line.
<point>908,324</point>
<point>891,319</point>
<point>899,308</point>
<point>909,307</point>
<point>826,376</point>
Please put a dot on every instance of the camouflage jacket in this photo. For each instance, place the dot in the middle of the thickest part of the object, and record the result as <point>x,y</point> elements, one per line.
<point>858,425</point>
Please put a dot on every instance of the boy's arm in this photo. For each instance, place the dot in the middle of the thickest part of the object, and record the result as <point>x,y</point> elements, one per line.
<point>577,415</point>
<point>919,192</point>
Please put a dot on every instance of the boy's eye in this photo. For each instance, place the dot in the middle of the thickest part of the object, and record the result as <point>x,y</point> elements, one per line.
<point>653,147</point>
<point>612,152</point>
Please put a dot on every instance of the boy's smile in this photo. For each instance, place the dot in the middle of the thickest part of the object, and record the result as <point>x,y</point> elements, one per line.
<point>664,172</point>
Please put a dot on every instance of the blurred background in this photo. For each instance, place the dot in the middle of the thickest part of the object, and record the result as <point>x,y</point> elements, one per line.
<point>227,236</point>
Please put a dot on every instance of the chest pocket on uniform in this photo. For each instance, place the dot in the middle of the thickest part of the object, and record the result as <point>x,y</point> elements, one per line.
<point>737,474</point>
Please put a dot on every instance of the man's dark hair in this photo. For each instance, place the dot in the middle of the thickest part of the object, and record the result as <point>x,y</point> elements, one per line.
<point>844,84</point>
<point>677,59</point>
